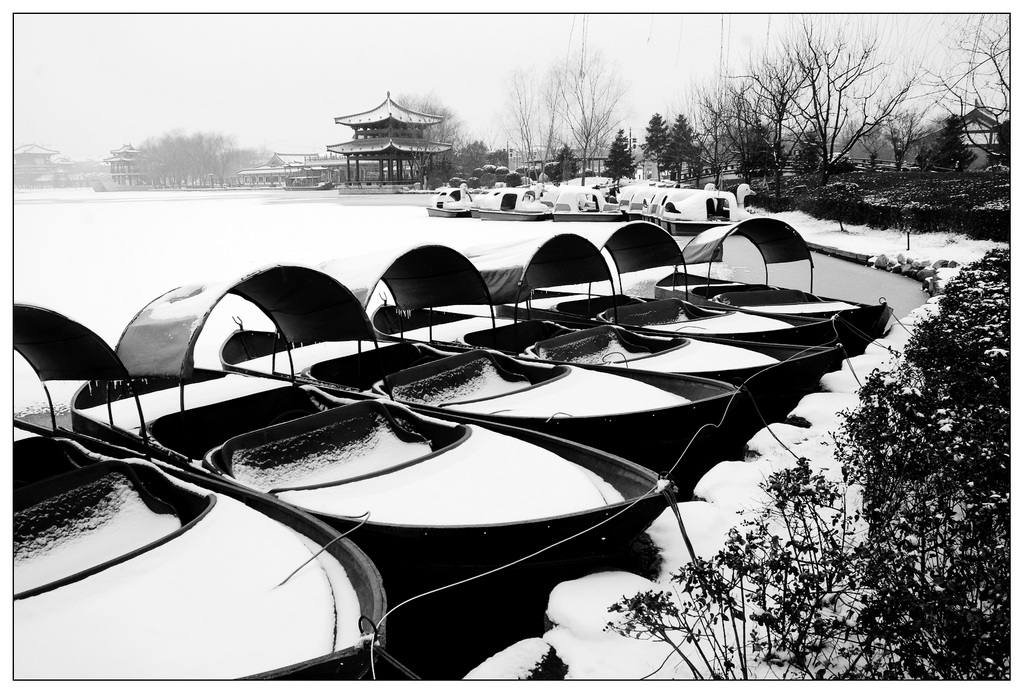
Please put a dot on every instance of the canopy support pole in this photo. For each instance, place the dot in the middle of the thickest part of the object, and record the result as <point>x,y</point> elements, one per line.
<point>49,401</point>
<point>181,402</point>
<point>142,419</point>
<point>110,409</point>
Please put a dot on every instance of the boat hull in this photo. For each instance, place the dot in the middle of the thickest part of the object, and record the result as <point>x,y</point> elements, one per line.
<point>653,438</point>
<point>588,217</point>
<point>49,455</point>
<point>512,216</point>
<point>857,326</point>
<point>775,389</point>
<point>447,214</point>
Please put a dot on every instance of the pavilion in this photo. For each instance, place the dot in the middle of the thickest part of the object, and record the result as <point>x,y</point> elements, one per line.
<point>392,136</point>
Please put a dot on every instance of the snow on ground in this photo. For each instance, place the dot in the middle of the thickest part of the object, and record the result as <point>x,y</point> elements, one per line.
<point>873,242</point>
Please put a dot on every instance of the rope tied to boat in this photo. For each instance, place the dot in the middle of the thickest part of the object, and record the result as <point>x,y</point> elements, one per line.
<point>657,489</point>
<point>375,647</point>
<point>365,517</point>
<point>849,363</point>
<point>605,359</point>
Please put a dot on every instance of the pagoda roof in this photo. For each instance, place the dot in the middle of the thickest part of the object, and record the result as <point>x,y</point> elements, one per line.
<point>389,109</point>
<point>34,149</point>
<point>126,149</point>
<point>379,145</point>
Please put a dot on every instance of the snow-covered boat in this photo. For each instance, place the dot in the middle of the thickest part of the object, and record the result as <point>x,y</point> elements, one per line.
<point>689,211</point>
<point>638,201</point>
<point>446,494</point>
<point>308,305</point>
<point>778,242</point>
<point>581,410</point>
<point>514,205</point>
<point>525,272</point>
<point>581,204</point>
<point>450,203</point>
<point>775,375</point>
<point>110,551</point>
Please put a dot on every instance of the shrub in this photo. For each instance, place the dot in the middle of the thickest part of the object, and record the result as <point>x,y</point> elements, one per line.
<point>930,445</point>
<point>778,599</point>
<point>513,179</point>
<point>913,583</point>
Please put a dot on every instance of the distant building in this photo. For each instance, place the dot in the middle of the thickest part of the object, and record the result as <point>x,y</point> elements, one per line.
<point>128,167</point>
<point>981,134</point>
<point>35,167</point>
<point>390,148</point>
<point>277,171</point>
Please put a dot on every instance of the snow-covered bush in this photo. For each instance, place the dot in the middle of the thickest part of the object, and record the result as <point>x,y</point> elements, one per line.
<point>902,570</point>
<point>778,601</point>
<point>930,445</point>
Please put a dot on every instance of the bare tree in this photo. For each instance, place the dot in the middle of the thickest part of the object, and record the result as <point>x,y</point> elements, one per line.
<point>902,131</point>
<point>520,118</point>
<point>848,87</point>
<point>591,95</point>
<point>450,130</point>
<point>710,109</point>
<point>742,123</point>
<point>980,70</point>
<point>777,81</point>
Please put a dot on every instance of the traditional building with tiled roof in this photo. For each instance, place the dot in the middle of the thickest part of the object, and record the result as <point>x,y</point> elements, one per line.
<point>395,138</point>
<point>128,167</point>
<point>34,167</point>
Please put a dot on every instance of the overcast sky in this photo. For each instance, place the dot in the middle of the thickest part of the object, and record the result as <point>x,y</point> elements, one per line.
<point>86,84</point>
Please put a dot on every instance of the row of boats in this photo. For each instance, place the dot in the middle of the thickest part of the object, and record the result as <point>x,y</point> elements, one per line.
<point>680,211</point>
<point>350,456</point>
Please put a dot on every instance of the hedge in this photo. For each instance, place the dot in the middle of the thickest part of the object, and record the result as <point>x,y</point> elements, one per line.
<point>976,204</point>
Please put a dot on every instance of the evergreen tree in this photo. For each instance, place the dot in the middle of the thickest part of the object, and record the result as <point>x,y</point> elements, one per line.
<point>950,150</point>
<point>1003,148</point>
<point>808,157</point>
<point>620,159</point>
<point>756,159</point>
<point>564,167</point>
<point>656,143</point>
<point>681,150</point>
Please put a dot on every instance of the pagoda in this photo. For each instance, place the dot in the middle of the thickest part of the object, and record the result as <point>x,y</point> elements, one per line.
<point>395,138</point>
<point>128,167</point>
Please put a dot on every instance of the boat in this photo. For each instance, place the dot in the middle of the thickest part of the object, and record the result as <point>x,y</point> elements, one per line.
<point>487,198</point>
<point>309,307</point>
<point>514,275</point>
<point>776,376</point>
<point>302,303</point>
<point>111,550</point>
<point>451,203</point>
<point>689,211</point>
<point>638,201</point>
<point>514,205</point>
<point>657,437</point>
<point>778,242</point>
<point>581,204</point>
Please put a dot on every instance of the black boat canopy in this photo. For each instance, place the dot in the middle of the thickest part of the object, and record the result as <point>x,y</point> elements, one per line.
<point>304,304</point>
<point>513,271</point>
<point>425,276</point>
<point>776,240</point>
<point>637,246</point>
<point>60,349</point>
